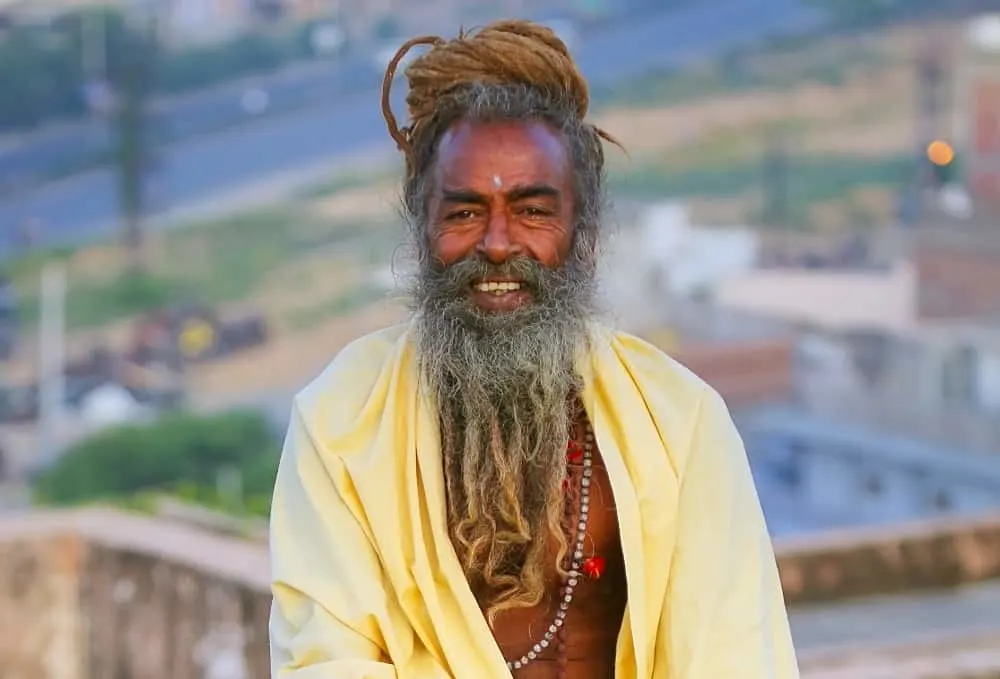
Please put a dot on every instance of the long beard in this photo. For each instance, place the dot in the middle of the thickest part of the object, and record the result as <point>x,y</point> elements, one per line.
<point>505,384</point>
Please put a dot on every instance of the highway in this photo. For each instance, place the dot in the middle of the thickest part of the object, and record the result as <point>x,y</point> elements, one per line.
<point>210,168</point>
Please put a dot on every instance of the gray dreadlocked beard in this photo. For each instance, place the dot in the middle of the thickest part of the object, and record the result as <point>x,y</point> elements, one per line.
<point>505,384</point>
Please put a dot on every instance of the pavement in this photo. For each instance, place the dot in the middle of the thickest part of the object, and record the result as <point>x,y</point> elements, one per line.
<point>931,635</point>
<point>970,612</point>
<point>941,657</point>
<point>214,168</point>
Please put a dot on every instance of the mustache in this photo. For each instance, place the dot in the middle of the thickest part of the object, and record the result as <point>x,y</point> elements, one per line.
<point>459,276</point>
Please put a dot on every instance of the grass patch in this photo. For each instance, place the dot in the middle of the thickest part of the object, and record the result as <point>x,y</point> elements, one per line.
<point>348,180</point>
<point>126,295</point>
<point>661,86</point>
<point>779,65</point>
<point>211,263</point>
<point>811,179</point>
<point>228,261</point>
<point>346,302</point>
<point>90,304</point>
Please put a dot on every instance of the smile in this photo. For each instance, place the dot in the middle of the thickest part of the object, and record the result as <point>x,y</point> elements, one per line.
<point>498,287</point>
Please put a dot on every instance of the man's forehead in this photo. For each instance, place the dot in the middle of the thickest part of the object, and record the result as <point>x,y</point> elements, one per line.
<point>470,145</point>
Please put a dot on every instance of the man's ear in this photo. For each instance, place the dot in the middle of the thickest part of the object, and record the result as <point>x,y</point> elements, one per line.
<point>587,249</point>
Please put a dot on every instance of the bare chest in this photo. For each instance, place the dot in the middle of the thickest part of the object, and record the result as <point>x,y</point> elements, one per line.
<point>572,633</point>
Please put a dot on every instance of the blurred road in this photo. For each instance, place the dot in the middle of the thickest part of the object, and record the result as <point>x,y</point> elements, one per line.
<point>210,168</point>
<point>970,610</point>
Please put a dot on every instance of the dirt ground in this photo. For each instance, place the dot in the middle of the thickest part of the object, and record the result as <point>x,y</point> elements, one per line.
<point>292,359</point>
<point>831,114</point>
<point>361,203</point>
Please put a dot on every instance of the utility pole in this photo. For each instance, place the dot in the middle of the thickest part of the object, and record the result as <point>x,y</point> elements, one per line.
<point>930,107</point>
<point>51,374</point>
<point>776,183</point>
<point>94,45</point>
<point>94,61</point>
<point>135,156</point>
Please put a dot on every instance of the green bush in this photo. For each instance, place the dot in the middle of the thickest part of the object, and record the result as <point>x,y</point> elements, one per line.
<point>42,77</point>
<point>130,294</point>
<point>200,67</point>
<point>180,454</point>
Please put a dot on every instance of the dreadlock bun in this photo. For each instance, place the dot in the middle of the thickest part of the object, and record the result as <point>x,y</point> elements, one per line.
<point>509,52</point>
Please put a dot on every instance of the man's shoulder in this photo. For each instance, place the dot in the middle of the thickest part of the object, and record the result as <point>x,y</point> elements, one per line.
<point>352,374</point>
<point>651,365</point>
<point>682,403</point>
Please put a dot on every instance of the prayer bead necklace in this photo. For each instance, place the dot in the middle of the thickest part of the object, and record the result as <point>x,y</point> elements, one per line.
<point>577,566</point>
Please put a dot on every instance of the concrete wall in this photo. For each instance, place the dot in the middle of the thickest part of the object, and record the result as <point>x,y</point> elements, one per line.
<point>833,300</point>
<point>41,620</point>
<point>103,595</point>
<point>744,373</point>
<point>958,274</point>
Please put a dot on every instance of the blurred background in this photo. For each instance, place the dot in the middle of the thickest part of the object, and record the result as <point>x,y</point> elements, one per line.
<point>198,209</point>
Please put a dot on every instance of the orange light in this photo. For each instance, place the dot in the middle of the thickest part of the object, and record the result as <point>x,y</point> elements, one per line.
<point>940,152</point>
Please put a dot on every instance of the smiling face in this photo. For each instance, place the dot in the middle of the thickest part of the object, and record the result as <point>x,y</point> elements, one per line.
<point>503,192</point>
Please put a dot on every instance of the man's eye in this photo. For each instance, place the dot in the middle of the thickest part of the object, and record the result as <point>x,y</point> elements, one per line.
<point>461,215</point>
<point>533,211</point>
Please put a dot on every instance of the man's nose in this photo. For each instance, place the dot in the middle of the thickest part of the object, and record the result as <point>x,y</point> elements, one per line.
<point>496,245</point>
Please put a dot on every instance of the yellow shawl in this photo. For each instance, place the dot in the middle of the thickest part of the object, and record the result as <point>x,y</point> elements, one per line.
<point>367,585</point>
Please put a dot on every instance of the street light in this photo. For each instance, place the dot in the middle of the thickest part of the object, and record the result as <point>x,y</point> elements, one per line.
<point>940,153</point>
<point>941,156</point>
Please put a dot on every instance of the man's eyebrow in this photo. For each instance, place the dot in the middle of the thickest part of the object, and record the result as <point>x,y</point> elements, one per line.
<point>524,192</point>
<point>462,196</point>
<point>533,191</point>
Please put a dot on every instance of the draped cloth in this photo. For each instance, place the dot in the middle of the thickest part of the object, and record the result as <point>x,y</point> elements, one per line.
<point>366,583</point>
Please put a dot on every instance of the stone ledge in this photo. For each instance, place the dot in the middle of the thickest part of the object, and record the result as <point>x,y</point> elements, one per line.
<point>834,566</point>
<point>938,554</point>
<point>242,562</point>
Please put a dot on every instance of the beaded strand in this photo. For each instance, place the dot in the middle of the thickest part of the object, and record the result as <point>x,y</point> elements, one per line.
<point>572,578</point>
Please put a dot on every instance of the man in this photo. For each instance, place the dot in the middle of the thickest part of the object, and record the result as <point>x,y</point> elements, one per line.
<point>503,486</point>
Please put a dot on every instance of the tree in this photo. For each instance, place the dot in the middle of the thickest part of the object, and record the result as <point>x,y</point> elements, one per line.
<point>776,178</point>
<point>386,28</point>
<point>37,77</point>
<point>135,157</point>
<point>44,74</point>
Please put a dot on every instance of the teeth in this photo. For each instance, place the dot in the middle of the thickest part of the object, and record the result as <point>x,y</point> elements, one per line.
<point>498,288</point>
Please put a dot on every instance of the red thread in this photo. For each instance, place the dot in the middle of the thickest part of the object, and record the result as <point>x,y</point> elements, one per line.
<point>593,567</point>
<point>574,452</point>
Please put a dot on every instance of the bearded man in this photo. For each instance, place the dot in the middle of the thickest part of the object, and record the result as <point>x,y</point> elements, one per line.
<point>503,486</point>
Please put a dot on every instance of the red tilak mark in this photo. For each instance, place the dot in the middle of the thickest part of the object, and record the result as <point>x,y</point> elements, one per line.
<point>566,485</point>
<point>574,452</point>
<point>593,567</point>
